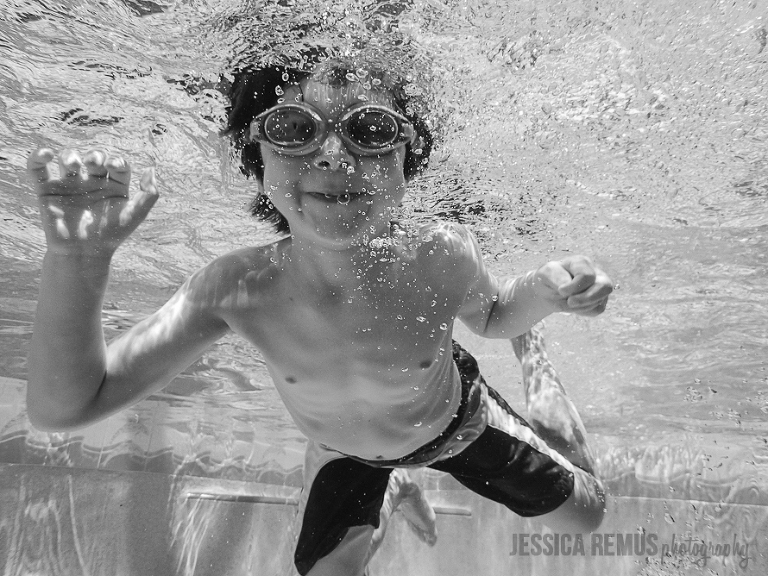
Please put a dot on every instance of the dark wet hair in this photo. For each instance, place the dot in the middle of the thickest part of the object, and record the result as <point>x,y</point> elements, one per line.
<point>255,90</point>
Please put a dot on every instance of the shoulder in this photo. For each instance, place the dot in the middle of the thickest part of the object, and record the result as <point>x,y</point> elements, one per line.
<point>446,248</point>
<point>225,277</point>
<point>448,239</point>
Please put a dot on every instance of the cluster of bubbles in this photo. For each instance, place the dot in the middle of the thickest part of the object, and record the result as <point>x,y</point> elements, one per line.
<point>365,34</point>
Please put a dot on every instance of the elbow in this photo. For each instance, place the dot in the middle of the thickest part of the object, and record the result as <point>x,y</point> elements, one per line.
<point>43,422</point>
<point>43,425</point>
<point>47,418</point>
<point>47,422</point>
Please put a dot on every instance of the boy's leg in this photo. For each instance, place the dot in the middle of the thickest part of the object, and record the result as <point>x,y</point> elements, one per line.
<point>407,495</point>
<point>551,413</point>
<point>553,416</point>
<point>339,511</point>
<point>511,464</point>
<point>345,508</point>
<point>350,557</point>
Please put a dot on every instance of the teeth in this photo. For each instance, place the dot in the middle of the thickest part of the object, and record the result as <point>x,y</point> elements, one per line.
<point>340,198</point>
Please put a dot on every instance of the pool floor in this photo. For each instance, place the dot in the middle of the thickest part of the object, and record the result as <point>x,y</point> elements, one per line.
<point>58,521</point>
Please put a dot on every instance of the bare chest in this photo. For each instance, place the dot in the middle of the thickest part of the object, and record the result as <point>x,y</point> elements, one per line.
<point>396,321</point>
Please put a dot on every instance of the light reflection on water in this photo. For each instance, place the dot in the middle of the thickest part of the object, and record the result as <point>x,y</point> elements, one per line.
<point>631,131</point>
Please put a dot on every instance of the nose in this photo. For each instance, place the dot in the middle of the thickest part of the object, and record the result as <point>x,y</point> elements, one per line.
<point>333,155</point>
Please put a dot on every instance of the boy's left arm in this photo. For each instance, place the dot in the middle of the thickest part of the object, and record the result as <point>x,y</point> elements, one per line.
<point>505,308</point>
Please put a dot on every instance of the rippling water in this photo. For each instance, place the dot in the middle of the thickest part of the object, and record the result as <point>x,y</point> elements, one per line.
<point>634,132</point>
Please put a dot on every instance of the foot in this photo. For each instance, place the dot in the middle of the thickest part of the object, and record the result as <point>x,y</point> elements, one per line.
<point>409,497</point>
<point>550,412</point>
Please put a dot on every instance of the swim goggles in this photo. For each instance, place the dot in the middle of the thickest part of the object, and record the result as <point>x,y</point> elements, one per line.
<point>297,129</point>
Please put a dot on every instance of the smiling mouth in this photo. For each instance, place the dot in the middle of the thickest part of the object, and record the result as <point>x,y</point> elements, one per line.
<point>343,199</point>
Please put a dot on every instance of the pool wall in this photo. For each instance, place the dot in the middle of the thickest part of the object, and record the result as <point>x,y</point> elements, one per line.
<point>58,521</point>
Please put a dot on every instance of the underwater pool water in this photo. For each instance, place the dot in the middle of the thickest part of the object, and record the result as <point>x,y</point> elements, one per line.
<point>631,131</point>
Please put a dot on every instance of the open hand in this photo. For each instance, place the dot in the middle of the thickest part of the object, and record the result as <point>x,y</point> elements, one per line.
<point>87,209</point>
<point>575,285</point>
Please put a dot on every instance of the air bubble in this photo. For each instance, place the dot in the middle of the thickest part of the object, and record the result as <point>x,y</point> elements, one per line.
<point>417,424</point>
<point>279,91</point>
<point>443,326</point>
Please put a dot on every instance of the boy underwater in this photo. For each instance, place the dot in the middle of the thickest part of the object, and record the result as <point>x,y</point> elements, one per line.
<point>352,312</point>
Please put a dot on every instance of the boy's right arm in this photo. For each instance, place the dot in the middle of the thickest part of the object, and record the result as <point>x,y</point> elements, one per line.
<point>74,378</point>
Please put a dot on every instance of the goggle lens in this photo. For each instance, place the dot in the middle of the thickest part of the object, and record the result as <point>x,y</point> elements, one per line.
<point>372,129</point>
<point>298,129</point>
<point>291,128</point>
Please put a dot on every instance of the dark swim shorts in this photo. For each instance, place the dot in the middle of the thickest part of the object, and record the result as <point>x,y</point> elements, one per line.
<point>487,447</point>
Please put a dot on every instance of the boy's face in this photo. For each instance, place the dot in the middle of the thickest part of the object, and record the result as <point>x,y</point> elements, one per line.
<point>332,196</point>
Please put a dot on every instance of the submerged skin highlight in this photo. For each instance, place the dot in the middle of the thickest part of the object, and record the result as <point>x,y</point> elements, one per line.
<point>353,316</point>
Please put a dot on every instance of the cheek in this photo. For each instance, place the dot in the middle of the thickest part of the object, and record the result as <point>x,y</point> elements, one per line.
<point>384,173</point>
<point>282,172</point>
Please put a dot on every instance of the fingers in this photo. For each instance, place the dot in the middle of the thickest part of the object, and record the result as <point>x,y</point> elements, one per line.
<point>140,204</point>
<point>148,183</point>
<point>588,291</point>
<point>95,175</point>
<point>581,287</point>
<point>594,300</point>
<point>95,163</point>
<point>37,164</point>
<point>582,275</point>
<point>70,164</point>
<point>118,170</point>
